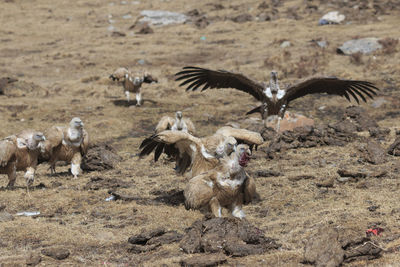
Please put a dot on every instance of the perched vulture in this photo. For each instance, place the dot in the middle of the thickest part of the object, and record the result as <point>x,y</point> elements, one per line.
<point>20,153</point>
<point>274,99</point>
<point>177,124</point>
<point>194,154</point>
<point>132,82</point>
<point>68,144</point>
<point>227,185</point>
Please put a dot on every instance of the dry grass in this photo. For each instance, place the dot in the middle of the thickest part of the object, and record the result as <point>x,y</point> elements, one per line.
<point>62,53</point>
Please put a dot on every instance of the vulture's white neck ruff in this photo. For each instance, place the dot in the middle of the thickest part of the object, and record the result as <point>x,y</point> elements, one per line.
<point>75,135</point>
<point>279,95</point>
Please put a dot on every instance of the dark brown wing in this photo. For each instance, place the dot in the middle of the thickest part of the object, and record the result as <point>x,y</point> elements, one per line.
<point>197,77</point>
<point>332,86</point>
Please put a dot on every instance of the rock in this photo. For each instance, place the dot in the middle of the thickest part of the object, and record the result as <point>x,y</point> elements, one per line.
<point>142,238</point>
<point>289,122</point>
<point>33,259</point>
<point>100,157</point>
<point>242,18</point>
<point>324,248</point>
<point>264,16</point>
<point>160,17</point>
<point>5,216</point>
<point>230,236</point>
<point>347,173</point>
<point>204,260</point>
<point>144,28</point>
<point>56,253</point>
<point>285,44</point>
<point>332,17</point>
<point>326,183</point>
<point>3,83</point>
<point>394,149</point>
<point>360,118</point>
<point>167,238</point>
<point>373,153</point>
<point>378,102</point>
<point>267,173</point>
<point>300,177</point>
<point>364,45</point>
<point>379,133</point>
<point>137,249</point>
<point>118,34</point>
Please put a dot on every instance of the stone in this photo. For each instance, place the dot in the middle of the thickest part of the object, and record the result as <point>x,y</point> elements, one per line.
<point>394,148</point>
<point>161,17</point>
<point>285,44</point>
<point>364,46</point>
<point>289,122</point>
<point>204,260</point>
<point>56,253</point>
<point>373,153</point>
<point>333,17</point>
<point>33,259</point>
<point>324,248</point>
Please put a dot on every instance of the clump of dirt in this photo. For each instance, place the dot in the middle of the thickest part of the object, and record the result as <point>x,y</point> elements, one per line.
<point>56,253</point>
<point>310,136</point>
<point>151,239</point>
<point>360,118</point>
<point>171,198</point>
<point>372,152</point>
<point>330,246</point>
<point>379,134</point>
<point>394,149</point>
<point>230,236</point>
<point>97,183</point>
<point>204,260</point>
<point>100,157</point>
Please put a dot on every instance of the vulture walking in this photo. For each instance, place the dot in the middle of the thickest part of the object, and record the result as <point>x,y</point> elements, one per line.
<point>20,153</point>
<point>197,155</point>
<point>132,82</point>
<point>227,185</point>
<point>274,99</point>
<point>177,124</point>
<point>68,144</point>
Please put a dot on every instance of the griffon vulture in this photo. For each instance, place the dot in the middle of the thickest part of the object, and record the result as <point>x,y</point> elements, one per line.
<point>274,99</point>
<point>197,154</point>
<point>20,153</point>
<point>227,185</point>
<point>68,144</point>
<point>132,82</point>
<point>177,124</point>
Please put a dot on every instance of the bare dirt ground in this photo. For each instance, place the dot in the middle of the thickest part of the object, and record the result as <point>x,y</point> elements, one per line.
<point>62,53</point>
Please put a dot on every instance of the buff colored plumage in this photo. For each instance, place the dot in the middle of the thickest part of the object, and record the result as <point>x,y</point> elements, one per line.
<point>68,144</point>
<point>20,153</point>
<point>177,124</point>
<point>227,185</point>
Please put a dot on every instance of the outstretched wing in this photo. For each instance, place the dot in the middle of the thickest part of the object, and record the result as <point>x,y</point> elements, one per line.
<point>252,139</point>
<point>176,144</point>
<point>332,86</point>
<point>164,124</point>
<point>7,151</point>
<point>197,77</point>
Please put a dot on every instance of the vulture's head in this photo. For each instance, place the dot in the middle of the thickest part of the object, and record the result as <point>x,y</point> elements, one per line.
<point>243,153</point>
<point>178,115</point>
<point>38,136</point>
<point>273,83</point>
<point>148,78</point>
<point>76,123</point>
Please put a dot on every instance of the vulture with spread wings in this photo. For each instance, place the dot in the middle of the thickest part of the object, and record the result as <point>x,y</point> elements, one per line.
<point>197,154</point>
<point>274,99</point>
<point>177,124</point>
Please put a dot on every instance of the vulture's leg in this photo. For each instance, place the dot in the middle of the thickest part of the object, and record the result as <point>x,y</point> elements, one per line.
<point>278,125</point>
<point>12,174</point>
<point>138,99</point>
<point>215,207</point>
<point>128,98</point>
<point>53,168</point>
<point>237,207</point>
<point>29,175</point>
<point>76,164</point>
